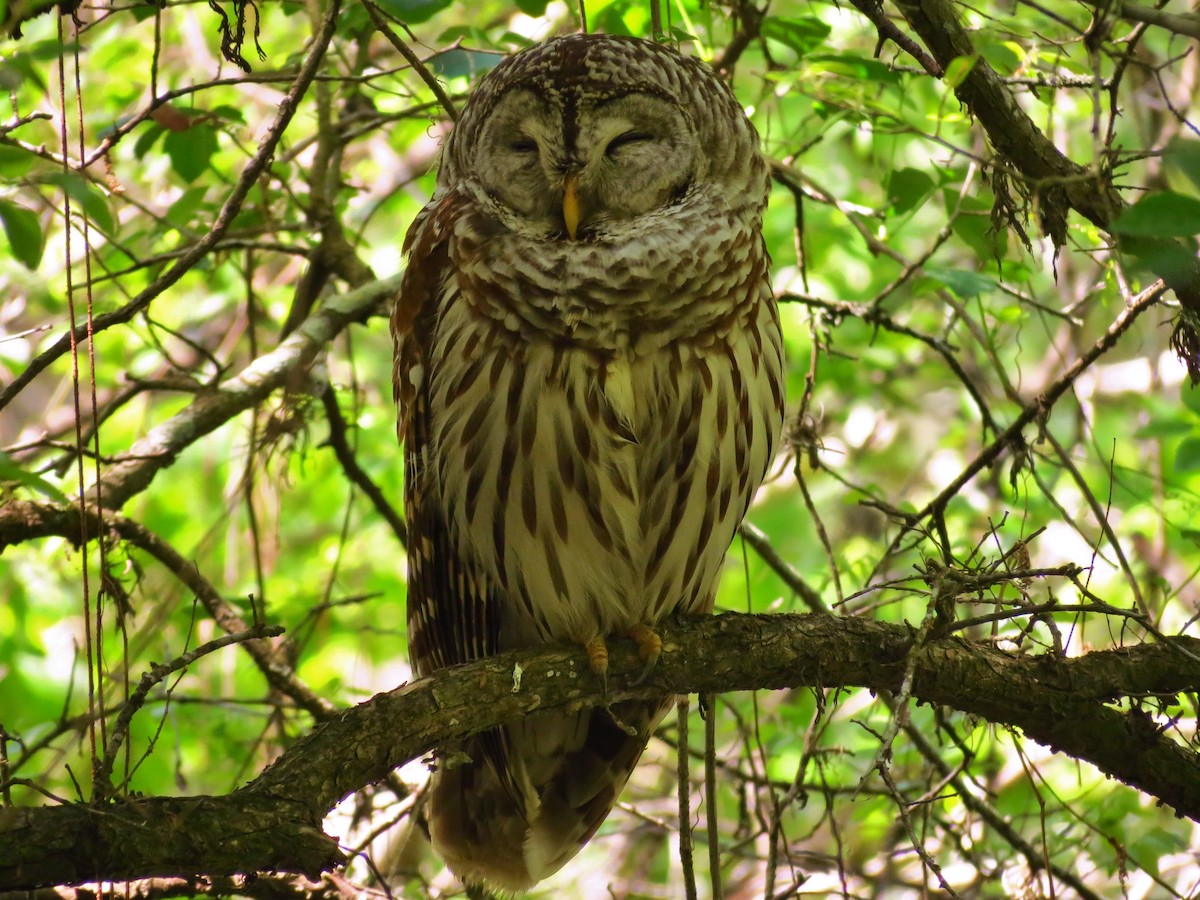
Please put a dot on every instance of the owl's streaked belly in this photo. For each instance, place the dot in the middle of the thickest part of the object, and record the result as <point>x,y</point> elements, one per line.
<point>599,491</point>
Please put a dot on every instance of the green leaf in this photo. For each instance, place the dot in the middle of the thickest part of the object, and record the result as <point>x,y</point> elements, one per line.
<point>907,188</point>
<point>412,12</point>
<point>182,210</point>
<point>1154,845</point>
<point>852,66</point>
<point>1165,428</point>
<point>28,63</point>
<point>1187,457</point>
<point>958,70</point>
<point>228,113</point>
<point>533,7</point>
<point>10,471</point>
<point>190,150</point>
<point>1162,214</point>
<point>1190,397</point>
<point>87,195</point>
<point>975,230</point>
<point>1006,57</point>
<point>1183,156</point>
<point>24,233</point>
<point>16,70</point>
<point>457,62</point>
<point>459,34</point>
<point>801,34</point>
<point>146,139</point>
<point>964,282</point>
<point>15,161</point>
<point>1010,314</point>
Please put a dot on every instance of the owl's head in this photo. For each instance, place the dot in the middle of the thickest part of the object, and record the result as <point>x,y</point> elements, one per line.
<point>575,136</point>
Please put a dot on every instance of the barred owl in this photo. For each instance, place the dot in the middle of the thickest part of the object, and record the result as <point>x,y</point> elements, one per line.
<point>588,375</point>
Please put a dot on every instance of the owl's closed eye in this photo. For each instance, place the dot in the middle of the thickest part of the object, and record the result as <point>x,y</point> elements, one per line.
<point>620,157</point>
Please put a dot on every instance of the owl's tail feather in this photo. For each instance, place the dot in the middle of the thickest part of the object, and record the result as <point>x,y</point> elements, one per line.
<point>562,775</point>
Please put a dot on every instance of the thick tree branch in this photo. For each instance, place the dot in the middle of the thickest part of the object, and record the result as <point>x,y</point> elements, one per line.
<point>1010,129</point>
<point>160,836</point>
<point>1061,703</point>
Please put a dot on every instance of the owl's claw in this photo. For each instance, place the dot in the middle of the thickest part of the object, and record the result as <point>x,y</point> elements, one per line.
<point>649,646</point>
<point>597,654</point>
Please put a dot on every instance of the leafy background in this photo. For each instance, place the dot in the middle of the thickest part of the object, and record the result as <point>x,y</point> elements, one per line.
<point>923,312</point>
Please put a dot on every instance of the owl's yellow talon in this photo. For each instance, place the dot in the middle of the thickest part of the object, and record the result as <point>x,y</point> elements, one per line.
<point>649,646</point>
<point>597,654</point>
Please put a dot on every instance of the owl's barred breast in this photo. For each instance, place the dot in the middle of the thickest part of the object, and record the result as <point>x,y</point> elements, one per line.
<point>625,415</point>
<point>685,272</point>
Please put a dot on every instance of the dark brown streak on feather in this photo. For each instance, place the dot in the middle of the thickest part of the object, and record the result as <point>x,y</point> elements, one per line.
<point>529,502</point>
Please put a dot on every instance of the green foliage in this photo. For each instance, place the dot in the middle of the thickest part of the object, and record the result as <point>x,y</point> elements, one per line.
<point>1162,214</point>
<point>924,312</point>
<point>801,35</point>
<point>24,233</point>
<point>190,150</point>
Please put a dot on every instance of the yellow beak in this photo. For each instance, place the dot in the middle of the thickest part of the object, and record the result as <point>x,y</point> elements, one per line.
<point>571,213</point>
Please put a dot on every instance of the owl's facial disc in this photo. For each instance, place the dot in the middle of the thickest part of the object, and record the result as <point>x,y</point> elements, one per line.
<point>574,169</point>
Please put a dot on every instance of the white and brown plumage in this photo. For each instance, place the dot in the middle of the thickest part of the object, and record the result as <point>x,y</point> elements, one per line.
<point>589,382</point>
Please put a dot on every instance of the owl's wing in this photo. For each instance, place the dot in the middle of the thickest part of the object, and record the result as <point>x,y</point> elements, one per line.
<point>452,609</point>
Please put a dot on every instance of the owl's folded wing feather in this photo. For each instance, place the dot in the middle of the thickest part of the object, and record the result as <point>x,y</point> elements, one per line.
<point>453,609</point>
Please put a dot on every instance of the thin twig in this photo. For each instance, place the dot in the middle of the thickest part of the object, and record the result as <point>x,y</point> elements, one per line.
<point>781,567</point>
<point>887,30</point>
<point>413,60</point>
<point>913,837</point>
<point>349,462</point>
<point>1037,408</point>
<point>993,817</point>
<point>157,673</point>
<point>684,788</point>
<point>711,814</point>
<point>873,315</point>
<point>161,446</point>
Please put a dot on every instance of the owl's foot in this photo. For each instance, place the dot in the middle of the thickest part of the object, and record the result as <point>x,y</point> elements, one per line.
<point>649,646</point>
<point>597,654</point>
